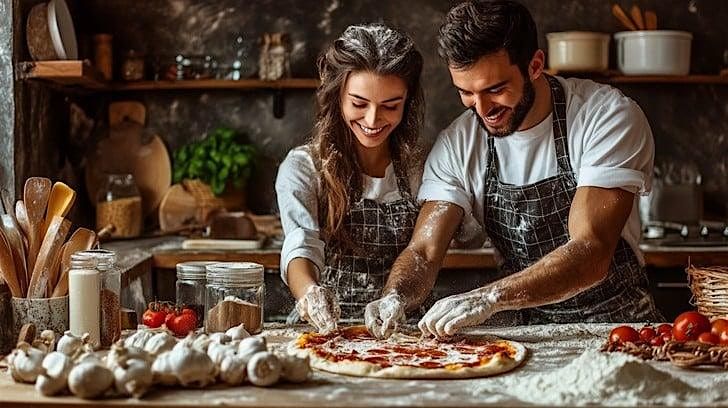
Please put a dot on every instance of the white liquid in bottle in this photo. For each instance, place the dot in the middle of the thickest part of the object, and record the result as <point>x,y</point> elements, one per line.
<point>84,287</point>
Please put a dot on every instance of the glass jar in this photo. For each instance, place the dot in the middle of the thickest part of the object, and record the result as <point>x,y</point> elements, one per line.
<point>190,286</point>
<point>235,293</point>
<point>84,286</point>
<point>132,67</point>
<point>119,204</point>
<point>109,295</point>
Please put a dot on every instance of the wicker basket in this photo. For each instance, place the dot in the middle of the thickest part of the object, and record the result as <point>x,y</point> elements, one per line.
<point>710,289</point>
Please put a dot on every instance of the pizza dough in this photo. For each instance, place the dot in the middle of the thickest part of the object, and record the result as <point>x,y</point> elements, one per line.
<point>353,351</point>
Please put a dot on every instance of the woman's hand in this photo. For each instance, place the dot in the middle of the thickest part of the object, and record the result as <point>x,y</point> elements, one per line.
<point>383,316</point>
<point>319,307</point>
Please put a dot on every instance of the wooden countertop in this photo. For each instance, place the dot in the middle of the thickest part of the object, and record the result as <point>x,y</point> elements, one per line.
<point>167,252</point>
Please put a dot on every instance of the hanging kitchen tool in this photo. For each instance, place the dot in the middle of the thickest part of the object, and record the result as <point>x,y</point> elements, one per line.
<point>82,239</point>
<point>622,17</point>
<point>49,250</point>
<point>35,196</point>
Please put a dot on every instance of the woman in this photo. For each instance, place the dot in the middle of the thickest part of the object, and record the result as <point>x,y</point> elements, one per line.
<point>347,198</point>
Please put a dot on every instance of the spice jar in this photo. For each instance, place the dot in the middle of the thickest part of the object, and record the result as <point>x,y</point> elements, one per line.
<point>110,298</point>
<point>235,292</point>
<point>132,67</point>
<point>120,205</point>
<point>84,286</point>
<point>191,280</point>
<point>103,55</point>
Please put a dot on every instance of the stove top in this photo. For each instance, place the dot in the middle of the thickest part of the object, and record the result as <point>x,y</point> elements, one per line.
<point>706,233</point>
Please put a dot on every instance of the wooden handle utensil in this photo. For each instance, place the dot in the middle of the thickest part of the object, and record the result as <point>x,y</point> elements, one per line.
<point>81,240</point>
<point>636,14</point>
<point>35,196</point>
<point>59,203</point>
<point>650,20</point>
<point>622,17</point>
<point>49,250</point>
<point>7,267</point>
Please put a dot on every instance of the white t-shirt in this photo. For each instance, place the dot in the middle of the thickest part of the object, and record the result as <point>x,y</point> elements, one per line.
<point>298,190</point>
<point>610,146</point>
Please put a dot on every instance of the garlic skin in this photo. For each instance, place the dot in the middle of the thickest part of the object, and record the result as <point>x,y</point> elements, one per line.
<point>295,369</point>
<point>233,370</point>
<point>217,352</point>
<point>26,363</point>
<point>185,366</point>
<point>250,346</point>
<point>90,380</point>
<point>264,369</point>
<point>159,343</point>
<point>56,367</point>
<point>133,378</point>
<point>238,332</point>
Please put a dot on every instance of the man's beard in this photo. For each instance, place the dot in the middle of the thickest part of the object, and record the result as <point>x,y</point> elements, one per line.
<point>520,111</point>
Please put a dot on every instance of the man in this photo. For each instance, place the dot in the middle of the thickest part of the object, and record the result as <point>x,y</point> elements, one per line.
<point>549,167</point>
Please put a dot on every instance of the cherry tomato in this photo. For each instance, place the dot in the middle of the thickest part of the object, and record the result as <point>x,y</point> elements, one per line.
<point>718,326</point>
<point>666,337</point>
<point>623,334</point>
<point>181,323</point>
<point>152,318</point>
<point>664,328</point>
<point>689,325</point>
<point>657,341</point>
<point>647,333</point>
<point>708,338</point>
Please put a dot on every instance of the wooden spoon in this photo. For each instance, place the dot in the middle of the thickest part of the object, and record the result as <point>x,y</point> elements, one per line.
<point>81,240</point>
<point>650,20</point>
<point>49,250</point>
<point>7,267</point>
<point>636,14</point>
<point>21,214</point>
<point>35,197</point>
<point>17,247</point>
<point>59,203</point>
<point>622,17</point>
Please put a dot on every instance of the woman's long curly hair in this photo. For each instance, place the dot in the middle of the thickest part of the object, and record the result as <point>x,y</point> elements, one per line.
<point>372,48</point>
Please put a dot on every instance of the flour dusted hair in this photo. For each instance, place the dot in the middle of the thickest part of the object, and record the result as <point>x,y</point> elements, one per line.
<point>381,50</point>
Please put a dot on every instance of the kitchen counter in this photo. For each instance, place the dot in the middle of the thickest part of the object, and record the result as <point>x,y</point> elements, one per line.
<point>166,252</point>
<point>563,369</point>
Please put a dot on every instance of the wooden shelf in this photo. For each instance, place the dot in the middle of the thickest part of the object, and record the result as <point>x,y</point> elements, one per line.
<point>65,73</point>
<point>614,77</point>
<point>202,84</point>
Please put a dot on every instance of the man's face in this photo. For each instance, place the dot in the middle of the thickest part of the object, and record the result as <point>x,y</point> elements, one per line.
<point>497,91</point>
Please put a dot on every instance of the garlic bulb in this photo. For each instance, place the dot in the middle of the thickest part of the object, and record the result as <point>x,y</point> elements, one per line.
<point>159,343</point>
<point>26,363</point>
<point>90,380</point>
<point>139,339</point>
<point>200,342</point>
<point>56,367</point>
<point>233,370</point>
<point>185,366</point>
<point>69,344</point>
<point>46,342</point>
<point>220,338</point>
<point>217,352</point>
<point>238,332</point>
<point>120,354</point>
<point>295,369</point>
<point>133,378</point>
<point>264,369</point>
<point>250,346</point>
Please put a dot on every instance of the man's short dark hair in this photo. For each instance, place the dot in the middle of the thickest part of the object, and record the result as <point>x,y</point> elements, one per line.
<point>478,28</point>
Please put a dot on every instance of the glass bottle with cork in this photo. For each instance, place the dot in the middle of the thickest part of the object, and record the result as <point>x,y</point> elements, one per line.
<point>190,286</point>
<point>235,293</point>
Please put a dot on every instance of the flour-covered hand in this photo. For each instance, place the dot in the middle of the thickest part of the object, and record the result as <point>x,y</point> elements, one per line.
<point>448,315</point>
<point>383,316</point>
<point>319,307</point>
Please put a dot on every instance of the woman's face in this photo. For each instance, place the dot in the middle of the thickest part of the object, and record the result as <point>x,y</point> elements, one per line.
<point>372,106</point>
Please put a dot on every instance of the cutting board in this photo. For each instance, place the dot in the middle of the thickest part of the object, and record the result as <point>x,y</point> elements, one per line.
<point>223,244</point>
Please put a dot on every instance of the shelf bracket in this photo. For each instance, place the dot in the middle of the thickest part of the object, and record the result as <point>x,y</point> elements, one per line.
<point>279,103</point>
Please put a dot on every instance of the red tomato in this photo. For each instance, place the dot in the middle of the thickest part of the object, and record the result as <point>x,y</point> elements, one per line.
<point>664,328</point>
<point>623,334</point>
<point>718,326</point>
<point>190,311</point>
<point>666,337</point>
<point>181,324</point>
<point>689,325</point>
<point>708,338</point>
<point>647,333</point>
<point>657,341</point>
<point>724,338</point>
<point>153,317</point>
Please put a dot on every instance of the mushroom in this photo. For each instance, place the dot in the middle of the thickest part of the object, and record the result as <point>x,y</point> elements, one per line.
<point>250,346</point>
<point>185,366</point>
<point>90,380</point>
<point>133,377</point>
<point>26,363</point>
<point>264,369</point>
<point>54,379</point>
<point>233,370</point>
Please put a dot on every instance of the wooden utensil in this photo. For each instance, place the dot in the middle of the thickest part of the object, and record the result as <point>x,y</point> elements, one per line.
<point>622,17</point>
<point>35,197</point>
<point>17,247</point>
<point>82,239</point>
<point>7,267</point>
<point>178,209</point>
<point>636,14</point>
<point>21,214</point>
<point>650,20</point>
<point>59,203</point>
<point>49,250</point>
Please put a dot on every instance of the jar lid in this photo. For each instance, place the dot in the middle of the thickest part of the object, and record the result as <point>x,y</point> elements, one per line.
<point>235,273</point>
<point>105,259</point>
<point>193,269</point>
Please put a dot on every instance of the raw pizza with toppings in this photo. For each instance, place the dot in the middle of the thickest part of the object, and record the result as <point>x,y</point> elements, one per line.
<point>353,351</point>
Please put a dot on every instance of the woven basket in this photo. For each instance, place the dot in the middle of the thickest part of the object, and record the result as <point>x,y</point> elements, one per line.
<point>710,289</point>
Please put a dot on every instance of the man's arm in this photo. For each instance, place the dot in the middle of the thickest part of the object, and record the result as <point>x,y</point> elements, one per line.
<point>596,219</point>
<point>414,272</point>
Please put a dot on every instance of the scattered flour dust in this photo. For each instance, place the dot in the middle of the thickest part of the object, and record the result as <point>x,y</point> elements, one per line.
<point>609,379</point>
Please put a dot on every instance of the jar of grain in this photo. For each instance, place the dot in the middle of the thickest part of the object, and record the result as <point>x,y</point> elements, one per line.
<point>235,294</point>
<point>119,205</point>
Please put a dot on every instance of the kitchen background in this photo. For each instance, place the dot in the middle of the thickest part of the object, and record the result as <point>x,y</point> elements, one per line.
<point>688,120</point>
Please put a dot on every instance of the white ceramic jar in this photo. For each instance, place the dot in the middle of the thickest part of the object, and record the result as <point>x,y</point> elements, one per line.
<point>653,52</point>
<point>578,51</point>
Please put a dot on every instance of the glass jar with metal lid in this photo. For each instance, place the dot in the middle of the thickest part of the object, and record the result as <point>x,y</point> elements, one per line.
<point>190,286</point>
<point>235,294</point>
<point>110,292</point>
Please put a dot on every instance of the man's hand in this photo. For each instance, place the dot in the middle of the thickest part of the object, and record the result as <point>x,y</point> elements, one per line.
<point>319,307</point>
<point>383,316</point>
<point>452,313</point>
